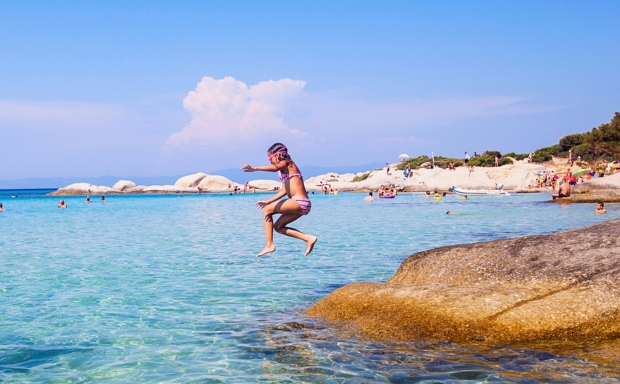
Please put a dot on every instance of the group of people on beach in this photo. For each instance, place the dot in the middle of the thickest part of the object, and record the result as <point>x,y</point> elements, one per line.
<point>327,189</point>
<point>238,190</point>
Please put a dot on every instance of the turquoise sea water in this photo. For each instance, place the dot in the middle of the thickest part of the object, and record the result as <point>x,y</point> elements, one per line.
<point>160,288</point>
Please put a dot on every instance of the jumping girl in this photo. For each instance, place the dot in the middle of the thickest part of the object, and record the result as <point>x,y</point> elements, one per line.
<point>297,205</point>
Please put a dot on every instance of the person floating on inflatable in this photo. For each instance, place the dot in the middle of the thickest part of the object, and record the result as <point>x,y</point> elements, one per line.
<point>297,205</point>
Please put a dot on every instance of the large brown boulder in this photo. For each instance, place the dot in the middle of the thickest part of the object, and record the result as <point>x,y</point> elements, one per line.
<point>564,286</point>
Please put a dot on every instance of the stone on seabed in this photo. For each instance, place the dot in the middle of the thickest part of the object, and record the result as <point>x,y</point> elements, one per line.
<point>563,286</point>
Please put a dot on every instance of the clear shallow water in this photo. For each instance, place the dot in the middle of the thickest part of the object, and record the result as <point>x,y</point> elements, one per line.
<point>162,288</point>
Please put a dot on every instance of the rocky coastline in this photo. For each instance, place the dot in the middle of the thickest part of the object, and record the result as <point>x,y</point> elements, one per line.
<point>558,287</point>
<point>513,177</point>
<point>605,189</point>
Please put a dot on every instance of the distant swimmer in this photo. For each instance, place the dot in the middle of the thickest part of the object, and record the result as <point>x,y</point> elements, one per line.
<point>437,197</point>
<point>369,198</point>
<point>103,199</point>
<point>297,205</point>
<point>1,208</point>
<point>88,200</point>
<point>62,204</point>
<point>427,195</point>
<point>600,208</point>
<point>449,213</point>
<point>14,196</point>
<point>463,198</point>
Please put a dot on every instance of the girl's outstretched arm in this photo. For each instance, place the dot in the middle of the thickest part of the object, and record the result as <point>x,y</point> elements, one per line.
<point>267,168</point>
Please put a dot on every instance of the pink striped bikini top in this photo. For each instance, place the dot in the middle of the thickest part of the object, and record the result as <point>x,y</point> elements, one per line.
<point>286,176</point>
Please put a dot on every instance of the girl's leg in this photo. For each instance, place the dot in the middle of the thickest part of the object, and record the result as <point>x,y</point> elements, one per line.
<point>268,212</point>
<point>291,211</point>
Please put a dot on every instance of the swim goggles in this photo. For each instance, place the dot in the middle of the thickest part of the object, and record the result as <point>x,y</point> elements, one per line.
<point>271,156</point>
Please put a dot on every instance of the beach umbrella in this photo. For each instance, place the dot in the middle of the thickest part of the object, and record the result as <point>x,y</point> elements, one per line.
<point>581,171</point>
<point>404,156</point>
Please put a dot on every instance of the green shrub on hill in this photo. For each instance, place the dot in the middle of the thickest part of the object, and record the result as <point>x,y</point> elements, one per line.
<point>582,150</point>
<point>545,154</point>
<point>414,162</point>
<point>487,159</point>
<point>572,140</point>
<point>440,161</point>
<point>517,156</point>
<point>600,144</point>
<point>604,141</point>
<point>361,177</point>
<point>443,162</point>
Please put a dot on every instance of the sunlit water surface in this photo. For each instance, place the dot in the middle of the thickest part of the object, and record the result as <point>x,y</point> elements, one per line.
<point>164,288</point>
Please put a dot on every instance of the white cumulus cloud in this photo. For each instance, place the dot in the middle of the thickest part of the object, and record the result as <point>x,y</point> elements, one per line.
<point>226,111</point>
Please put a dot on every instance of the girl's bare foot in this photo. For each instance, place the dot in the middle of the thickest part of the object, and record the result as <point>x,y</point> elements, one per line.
<point>310,245</point>
<point>268,249</point>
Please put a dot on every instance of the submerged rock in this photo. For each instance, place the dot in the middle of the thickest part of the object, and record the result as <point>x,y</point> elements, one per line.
<point>564,286</point>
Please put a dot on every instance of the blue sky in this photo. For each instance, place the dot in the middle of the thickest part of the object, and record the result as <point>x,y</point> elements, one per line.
<point>162,88</point>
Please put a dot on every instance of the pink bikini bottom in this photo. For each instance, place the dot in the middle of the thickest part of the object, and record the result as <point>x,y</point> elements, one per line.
<point>304,203</point>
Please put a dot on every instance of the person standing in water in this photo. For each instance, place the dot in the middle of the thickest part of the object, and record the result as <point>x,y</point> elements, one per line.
<point>1,209</point>
<point>297,205</point>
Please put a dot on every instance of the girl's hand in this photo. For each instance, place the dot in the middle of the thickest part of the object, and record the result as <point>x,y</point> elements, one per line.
<point>248,168</point>
<point>262,204</point>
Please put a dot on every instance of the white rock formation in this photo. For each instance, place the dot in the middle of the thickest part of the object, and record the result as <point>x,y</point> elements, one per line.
<point>265,185</point>
<point>191,180</point>
<point>511,176</point>
<point>122,185</point>
<point>84,189</point>
<point>169,189</point>
<point>216,184</point>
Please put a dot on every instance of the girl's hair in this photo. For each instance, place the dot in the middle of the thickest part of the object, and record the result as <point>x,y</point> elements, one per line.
<point>279,151</point>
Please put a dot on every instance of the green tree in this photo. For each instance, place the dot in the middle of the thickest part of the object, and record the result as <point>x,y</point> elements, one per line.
<point>573,140</point>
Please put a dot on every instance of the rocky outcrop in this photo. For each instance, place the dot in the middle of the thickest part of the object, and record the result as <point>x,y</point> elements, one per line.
<point>190,180</point>
<point>78,189</point>
<point>123,185</point>
<point>214,183</point>
<point>265,185</point>
<point>564,286</point>
<point>512,176</point>
<point>605,189</point>
<point>609,183</point>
